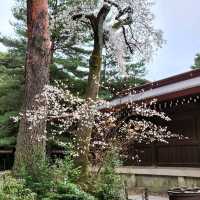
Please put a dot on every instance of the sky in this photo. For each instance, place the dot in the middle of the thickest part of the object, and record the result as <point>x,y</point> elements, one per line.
<point>180,22</point>
<point>178,19</point>
<point>5,18</point>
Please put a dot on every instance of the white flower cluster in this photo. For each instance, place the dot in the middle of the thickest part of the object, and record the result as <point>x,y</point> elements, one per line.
<point>115,127</point>
<point>128,26</point>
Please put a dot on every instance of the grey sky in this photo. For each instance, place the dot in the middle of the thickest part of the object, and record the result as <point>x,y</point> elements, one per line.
<point>5,17</point>
<point>180,22</point>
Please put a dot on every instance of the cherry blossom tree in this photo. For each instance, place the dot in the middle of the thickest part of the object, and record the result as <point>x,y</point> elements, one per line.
<point>120,27</point>
<point>112,128</point>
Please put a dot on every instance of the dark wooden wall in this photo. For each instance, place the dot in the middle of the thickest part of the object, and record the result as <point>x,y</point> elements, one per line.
<point>184,152</point>
<point>6,159</point>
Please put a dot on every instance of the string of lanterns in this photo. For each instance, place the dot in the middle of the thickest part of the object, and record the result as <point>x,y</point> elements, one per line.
<point>177,102</point>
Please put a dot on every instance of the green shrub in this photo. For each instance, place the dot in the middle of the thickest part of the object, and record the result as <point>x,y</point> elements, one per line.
<point>64,197</point>
<point>69,191</point>
<point>39,180</point>
<point>109,185</point>
<point>59,181</point>
<point>14,189</point>
<point>65,170</point>
<point>56,181</point>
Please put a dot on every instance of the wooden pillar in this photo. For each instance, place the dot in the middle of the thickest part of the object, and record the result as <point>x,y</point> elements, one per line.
<point>154,154</point>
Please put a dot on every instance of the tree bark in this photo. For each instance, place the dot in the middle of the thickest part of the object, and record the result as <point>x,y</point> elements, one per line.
<point>96,57</point>
<point>84,133</point>
<point>31,139</point>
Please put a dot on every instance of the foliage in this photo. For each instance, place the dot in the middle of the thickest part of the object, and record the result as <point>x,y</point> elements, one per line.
<point>11,87</point>
<point>196,64</point>
<point>129,23</point>
<point>11,188</point>
<point>73,45</point>
<point>53,181</point>
<point>12,77</point>
<point>60,181</point>
<point>72,58</point>
<point>57,180</point>
<point>69,191</point>
<point>109,185</point>
<point>72,72</point>
<point>70,24</point>
<point>113,82</point>
<point>111,128</point>
<point>12,74</point>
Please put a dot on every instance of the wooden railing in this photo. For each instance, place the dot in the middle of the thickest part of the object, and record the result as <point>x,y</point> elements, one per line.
<point>7,157</point>
<point>184,153</point>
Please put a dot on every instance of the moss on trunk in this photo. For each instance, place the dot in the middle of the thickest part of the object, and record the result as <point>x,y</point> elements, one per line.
<point>84,133</point>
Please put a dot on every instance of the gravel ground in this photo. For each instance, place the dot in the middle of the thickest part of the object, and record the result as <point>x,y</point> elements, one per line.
<point>139,197</point>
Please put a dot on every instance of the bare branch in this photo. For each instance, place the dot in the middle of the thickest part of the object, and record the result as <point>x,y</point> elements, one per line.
<point>112,4</point>
<point>125,39</point>
<point>103,13</point>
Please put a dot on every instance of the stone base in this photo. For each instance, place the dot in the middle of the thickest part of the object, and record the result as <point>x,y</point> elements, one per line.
<point>159,179</point>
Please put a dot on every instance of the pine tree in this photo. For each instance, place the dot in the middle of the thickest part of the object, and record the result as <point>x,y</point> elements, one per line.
<point>196,64</point>
<point>11,81</point>
<point>31,138</point>
<point>12,77</point>
<point>17,45</point>
<point>113,81</point>
<point>71,69</point>
<point>69,61</point>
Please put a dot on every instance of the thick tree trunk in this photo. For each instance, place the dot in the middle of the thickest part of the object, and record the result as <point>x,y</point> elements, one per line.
<point>31,139</point>
<point>84,134</point>
<point>95,68</point>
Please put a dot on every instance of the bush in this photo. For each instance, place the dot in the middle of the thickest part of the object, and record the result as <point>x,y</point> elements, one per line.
<point>69,191</point>
<point>14,189</point>
<point>109,185</point>
<point>59,181</point>
<point>64,197</point>
<point>56,181</point>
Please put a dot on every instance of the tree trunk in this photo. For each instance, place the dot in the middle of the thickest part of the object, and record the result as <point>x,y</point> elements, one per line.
<point>31,139</point>
<point>95,67</point>
<point>84,133</point>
